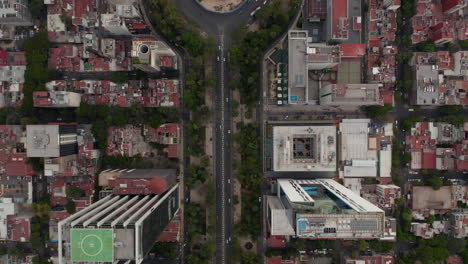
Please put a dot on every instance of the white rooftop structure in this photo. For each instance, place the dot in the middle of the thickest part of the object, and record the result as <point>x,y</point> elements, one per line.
<point>351,94</point>
<point>282,218</point>
<point>51,140</point>
<point>15,12</point>
<point>303,56</point>
<point>304,148</point>
<point>365,148</point>
<point>124,228</point>
<point>322,209</point>
<point>295,193</point>
<point>7,207</point>
<point>14,74</point>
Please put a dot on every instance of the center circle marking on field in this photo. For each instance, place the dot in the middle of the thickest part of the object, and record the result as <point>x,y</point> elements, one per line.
<point>94,243</point>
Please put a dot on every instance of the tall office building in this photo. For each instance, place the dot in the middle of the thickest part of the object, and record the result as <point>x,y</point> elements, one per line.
<point>116,229</point>
<point>51,141</point>
<point>15,12</point>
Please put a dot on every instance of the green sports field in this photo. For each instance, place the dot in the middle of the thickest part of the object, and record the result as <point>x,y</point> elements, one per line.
<point>92,245</point>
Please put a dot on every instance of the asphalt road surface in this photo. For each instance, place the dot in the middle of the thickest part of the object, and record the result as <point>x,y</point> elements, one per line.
<point>221,27</point>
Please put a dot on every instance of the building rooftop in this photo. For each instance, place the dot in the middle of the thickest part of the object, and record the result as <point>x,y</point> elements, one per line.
<point>324,209</point>
<point>426,85</point>
<point>13,159</point>
<point>304,148</point>
<point>132,140</point>
<point>15,220</point>
<point>339,20</point>
<point>57,99</point>
<point>153,93</point>
<point>305,56</point>
<point>366,148</point>
<point>43,141</point>
<point>424,197</point>
<point>167,135</point>
<point>351,94</point>
<point>352,50</point>
<point>422,143</point>
<point>120,220</point>
<point>138,181</point>
<point>372,260</point>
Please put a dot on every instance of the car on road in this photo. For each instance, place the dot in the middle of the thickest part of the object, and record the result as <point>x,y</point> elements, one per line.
<point>229,200</point>
<point>411,109</point>
<point>229,181</point>
<point>224,58</point>
<point>218,58</point>
<point>229,131</point>
<point>227,100</point>
<point>219,47</point>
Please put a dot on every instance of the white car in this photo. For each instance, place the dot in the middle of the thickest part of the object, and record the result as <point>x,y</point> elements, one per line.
<point>224,59</point>
<point>229,131</point>
<point>227,100</point>
<point>218,58</point>
<point>229,181</point>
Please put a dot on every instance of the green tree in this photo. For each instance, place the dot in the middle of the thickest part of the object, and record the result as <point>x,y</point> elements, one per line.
<point>377,111</point>
<point>456,245</point>
<point>464,255</point>
<point>74,192</point>
<point>119,77</point>
<point>450,109</point>
<point>463,44</point>
<point>431,219</point>
<point>210,193</point>
<point>435,182</point>
<point>3,250</point>
<point>17,250</point>
<point>381,246</point>
<point>166,249</point>
<point>426,46</point>
<point>41,209</point>
<point>250,258</point>
<point>363,245</point>
<point>70,207</point>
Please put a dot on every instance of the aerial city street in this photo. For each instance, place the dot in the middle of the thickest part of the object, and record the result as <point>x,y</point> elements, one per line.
<point>233,131</point>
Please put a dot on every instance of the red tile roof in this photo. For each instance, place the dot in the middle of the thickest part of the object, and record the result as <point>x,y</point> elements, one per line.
<point>429,159</point>
<point>276,241</point>
<point>154,185</point>
<point>317,9</point>
<point>3,58</point>
<point>449,4</point>
<point>171,233</point>
<point>339,23</point>
<point>280,260</point>
<point>455,260</point>
<point>18,165</point>
<point>19,58</point>
<point>20,229</point>
<point>352,50</point>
